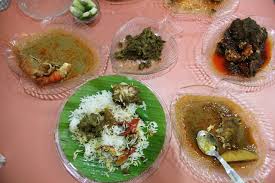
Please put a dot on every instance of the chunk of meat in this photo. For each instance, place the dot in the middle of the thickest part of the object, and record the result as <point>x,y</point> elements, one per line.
<point>55,76</point>
<point>125,94</point>
<point>232,55</point>
<point>123,158</point>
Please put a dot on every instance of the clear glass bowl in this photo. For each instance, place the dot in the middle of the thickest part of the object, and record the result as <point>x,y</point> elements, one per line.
<point>57,90</point>
<point>262,133</point>
<point>227,7</point>
<point>206,48</point>
<point>141,178</point>
<point>135,26</point>
<point>42,9</point>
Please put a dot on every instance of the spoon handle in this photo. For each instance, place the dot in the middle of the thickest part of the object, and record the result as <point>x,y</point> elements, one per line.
<point>230,171</point>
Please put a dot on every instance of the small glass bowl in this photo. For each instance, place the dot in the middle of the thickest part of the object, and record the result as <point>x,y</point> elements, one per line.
<point>41,9</point>
<point>262,133</point>
<point>228,7</point>
<point>135,26</point>
<point>92,19</point>
<point>139,179</point>
<point>60,90</point>
<point>206,48</point>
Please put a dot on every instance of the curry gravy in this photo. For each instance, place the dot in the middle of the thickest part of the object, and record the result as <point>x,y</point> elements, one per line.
<point>57,47</point>
<point>195,113</point>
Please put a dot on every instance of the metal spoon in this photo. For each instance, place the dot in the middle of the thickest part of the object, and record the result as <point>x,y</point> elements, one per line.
<point>2,160</point>
<point>208,145</point>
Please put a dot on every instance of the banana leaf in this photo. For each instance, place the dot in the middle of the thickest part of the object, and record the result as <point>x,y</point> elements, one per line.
<point>91,169</point>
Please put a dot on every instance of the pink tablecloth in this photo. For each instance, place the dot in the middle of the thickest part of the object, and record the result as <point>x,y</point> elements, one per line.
<point>27,124</point>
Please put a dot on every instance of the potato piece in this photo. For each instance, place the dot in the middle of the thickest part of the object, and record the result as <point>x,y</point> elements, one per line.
<point>239,155</point>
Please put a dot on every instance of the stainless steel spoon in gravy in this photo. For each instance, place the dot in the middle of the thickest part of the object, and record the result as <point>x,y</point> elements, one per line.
<point>208,145</point>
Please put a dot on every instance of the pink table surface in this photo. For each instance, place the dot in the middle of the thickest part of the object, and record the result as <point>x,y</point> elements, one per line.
<point>27,124</point>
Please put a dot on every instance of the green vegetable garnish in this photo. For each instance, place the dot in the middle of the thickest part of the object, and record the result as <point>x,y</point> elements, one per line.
<point>88,4</point>
<point>146,47</point>
<point>93,11</point>
<point>76,12</point>
<point>76,4</point>
<point>83,9</point>
<point>142,114</point>
<point>86,14</point>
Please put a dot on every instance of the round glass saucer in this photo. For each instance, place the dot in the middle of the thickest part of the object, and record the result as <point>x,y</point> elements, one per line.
<point>90,171</point>
<point>201,168</point>
<point>59,90</point>
<point>205,49</point>
<point>176,11</point>
<point>169,54</point>
<point>41,9</point>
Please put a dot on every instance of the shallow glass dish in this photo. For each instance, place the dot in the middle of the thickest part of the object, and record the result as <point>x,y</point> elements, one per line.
<point>206,49</point>
<point>226,8</point>
<point>62,89</point>
<point>90,171</point>
<point>262,132</point>
<point>135,26</point>
<point>41,9</point>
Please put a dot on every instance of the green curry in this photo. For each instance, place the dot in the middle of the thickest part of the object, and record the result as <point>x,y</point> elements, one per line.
<point>55,47</point>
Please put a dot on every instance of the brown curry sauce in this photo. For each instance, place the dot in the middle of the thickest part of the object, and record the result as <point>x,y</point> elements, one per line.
<point>57,47</point>
<point>191,117</point>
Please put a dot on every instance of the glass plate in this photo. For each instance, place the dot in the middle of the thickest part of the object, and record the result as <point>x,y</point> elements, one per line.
<point>62,89</point>
<point>90,172</point>
<point>228,7</point>
<point>42,9</point>
<point>262,133</point>
<point>206,48</point>
<point>169,53</point>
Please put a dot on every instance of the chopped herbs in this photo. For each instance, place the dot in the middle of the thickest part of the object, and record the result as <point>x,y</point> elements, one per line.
<point>145,48</point>
<point>92,124</point>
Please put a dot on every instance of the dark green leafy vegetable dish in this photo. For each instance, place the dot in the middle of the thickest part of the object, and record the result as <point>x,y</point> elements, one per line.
<point>112,129</point>
<point>144,48</point>
<point>244,49</point>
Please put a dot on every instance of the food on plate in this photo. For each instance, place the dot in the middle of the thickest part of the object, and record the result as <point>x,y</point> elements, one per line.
<point>224,119</point>
<point>125,94</point>
<point>143,49</point>
<point>54,56</point>
<point>49,73</point>
<point>243,50</point>
<point>110,130</point>
<point>84,9</point>
<point>200,6</point>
